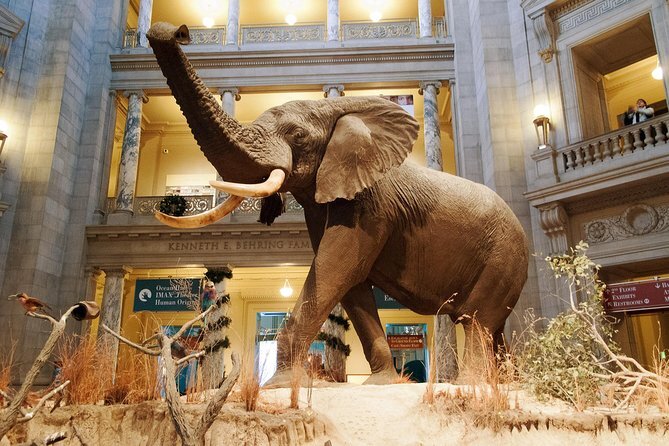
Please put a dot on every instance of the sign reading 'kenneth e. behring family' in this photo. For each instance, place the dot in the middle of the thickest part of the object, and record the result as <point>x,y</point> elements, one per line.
<point>165,294</point>
<point>637,296</point>
<point>239,245</point>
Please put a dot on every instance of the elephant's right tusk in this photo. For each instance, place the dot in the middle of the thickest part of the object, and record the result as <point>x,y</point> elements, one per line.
<point>203,219</point>
<point>270,186</point>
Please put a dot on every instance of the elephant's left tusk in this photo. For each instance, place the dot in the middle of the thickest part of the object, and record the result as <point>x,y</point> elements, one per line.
<point>203,219</point>
<point>270,186</point>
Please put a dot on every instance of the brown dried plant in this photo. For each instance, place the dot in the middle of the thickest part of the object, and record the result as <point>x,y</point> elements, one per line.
<point>249,383</point>
<point>136,380</point>
<point>86,363</point>
<point>6,364</point>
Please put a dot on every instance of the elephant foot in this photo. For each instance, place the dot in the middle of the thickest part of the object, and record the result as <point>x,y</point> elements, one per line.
<point>286,377</point>
<point>383,377</point>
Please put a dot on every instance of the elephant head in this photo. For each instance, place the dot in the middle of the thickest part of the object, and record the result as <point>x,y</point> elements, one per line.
<point>320,150</point>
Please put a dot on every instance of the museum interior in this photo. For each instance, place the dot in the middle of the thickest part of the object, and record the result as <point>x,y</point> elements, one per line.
<point>527,97</point>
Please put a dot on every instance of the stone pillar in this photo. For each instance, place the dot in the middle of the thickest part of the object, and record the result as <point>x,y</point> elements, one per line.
<point>112,303</point>
<point>144,21</point>
<point>127,177</point>
<point>229,96</point>
<point>94,278</point>
<point>333,91</point>
<point>445,345</point>
<point>425,18</point>
<point>333,20</point>
<point>430,90</point>
<point>232,30</point>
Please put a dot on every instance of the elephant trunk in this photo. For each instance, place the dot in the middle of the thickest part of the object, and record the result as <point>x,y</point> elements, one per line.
<point>227,144</point>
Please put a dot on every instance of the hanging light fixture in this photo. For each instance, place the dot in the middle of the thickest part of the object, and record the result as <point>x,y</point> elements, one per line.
<point>657,72</point>
<point>290,6</point>
<point>541,125</point>
<point>286,290</point>
<point>208,22</point>
<point>291,19</point>
<point>209,10</point>
<point>375,9</point>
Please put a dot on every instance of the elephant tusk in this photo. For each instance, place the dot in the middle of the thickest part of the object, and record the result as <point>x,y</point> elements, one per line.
<point>203,219</point>
<point>270,186</point>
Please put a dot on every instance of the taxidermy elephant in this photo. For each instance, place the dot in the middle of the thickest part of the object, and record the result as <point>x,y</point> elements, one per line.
<point>434,241</point>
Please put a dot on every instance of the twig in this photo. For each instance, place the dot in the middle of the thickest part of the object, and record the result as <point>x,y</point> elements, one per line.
<point>40,403</point>
<point>189,357</point>
<point>130,343</point>
<point>190,323</point>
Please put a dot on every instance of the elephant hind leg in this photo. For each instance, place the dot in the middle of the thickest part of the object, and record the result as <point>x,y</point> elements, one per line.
<point>361,309</point>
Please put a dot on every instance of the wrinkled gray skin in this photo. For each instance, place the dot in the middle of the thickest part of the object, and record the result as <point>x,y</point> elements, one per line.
<point>434,241</point>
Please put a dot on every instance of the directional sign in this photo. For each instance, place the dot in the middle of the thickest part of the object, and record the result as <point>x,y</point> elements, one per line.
<point>637,296</point>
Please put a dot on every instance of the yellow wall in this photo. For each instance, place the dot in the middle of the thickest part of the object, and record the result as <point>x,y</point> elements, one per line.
<point>247,299</point>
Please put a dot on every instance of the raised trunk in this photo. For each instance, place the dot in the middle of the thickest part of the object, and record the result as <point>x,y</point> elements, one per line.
<point>227,144</point>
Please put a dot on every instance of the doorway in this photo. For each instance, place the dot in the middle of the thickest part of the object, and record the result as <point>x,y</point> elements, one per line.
<point>408,346</point>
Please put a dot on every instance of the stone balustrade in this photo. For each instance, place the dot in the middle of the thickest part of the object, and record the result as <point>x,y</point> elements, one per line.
<point>307,32</point>
<point>195,204</point>
<point>645,136</point>
<point>198,36</point>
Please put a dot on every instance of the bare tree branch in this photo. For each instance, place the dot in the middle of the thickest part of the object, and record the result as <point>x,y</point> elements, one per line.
<point>189,357</point>
<point>190,323</point>
<point>40,403</point>
<point>130,343</point>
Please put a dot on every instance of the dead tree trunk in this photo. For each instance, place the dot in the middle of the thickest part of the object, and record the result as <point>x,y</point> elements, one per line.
<point>445,346</point>
<point>215,340</point>
<point>335,355</point>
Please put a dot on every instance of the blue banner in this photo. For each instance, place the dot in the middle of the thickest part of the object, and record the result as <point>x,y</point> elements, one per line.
<point>166,294</point>
<point>385,302</point>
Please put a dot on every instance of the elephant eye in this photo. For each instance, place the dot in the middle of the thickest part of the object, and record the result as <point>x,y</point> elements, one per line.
<point>298,136</point>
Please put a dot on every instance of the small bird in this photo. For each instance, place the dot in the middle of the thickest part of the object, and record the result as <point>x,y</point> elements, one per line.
<point>31,304</point>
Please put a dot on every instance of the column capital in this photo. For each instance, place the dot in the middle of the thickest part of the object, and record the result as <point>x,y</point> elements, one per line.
<point>118,271</point>
<point>424,84</point>
<point>234,91</point>
<point>93,272</point>
<point>140,93</point>
<point>338,87</point>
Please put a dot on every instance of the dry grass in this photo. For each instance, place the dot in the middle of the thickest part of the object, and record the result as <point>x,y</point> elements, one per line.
<point>86,364</point>
<point>6,365</point>
<point>482,395</point>
<point>136,380</point>
<point>249,383</point>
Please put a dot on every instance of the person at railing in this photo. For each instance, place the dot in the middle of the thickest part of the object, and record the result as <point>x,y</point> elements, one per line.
<point>642,112</point>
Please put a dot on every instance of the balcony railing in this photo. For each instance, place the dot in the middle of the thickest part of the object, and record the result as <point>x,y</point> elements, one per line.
<point>196,204</point>
<point>198,36</point>
<point>314,32</point>
<point>386,29</point>
<point>306,32</point>
<point>645,136</point>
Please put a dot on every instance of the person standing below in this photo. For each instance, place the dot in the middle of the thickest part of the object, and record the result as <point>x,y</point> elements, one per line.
<point>642,112</point>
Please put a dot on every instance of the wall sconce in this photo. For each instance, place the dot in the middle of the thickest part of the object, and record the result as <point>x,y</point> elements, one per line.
<point>542,125</point>
<point>3,135</point>
<point>286,290</point>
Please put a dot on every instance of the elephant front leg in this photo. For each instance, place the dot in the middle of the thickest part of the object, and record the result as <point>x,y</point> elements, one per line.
<point>361,308</point>
<point>331,276</point>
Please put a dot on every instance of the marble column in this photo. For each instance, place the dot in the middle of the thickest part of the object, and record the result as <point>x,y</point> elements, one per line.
<point>94,278</point>
<point>229,96</point>
<point>333,20</point>
<point>430,90</point>
<point>425,18</point>
<point>232,30</point>
<point>144,21</point>
<point>333,90</point>
<point>127,177</point>
<point>112,303</point>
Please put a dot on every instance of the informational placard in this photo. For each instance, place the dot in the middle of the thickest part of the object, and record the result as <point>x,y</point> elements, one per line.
<point>406,341</point>
<point>166,294</point>
<point>385,302</point>
<point>637,296</point>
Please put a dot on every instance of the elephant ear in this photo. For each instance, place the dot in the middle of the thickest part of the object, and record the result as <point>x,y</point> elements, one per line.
<point>362,148</point>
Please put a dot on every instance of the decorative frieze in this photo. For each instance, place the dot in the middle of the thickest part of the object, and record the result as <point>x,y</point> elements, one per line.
<point>207,36</point>
<point>584,11</point>
<point>379,30</point>
<point>281,33</point>
<point>636,220</point>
